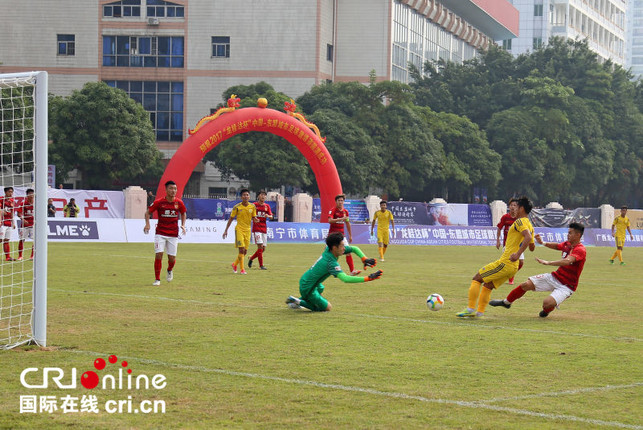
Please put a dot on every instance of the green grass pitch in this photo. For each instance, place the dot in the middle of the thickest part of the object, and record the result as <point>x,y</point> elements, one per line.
<point>235,356</point>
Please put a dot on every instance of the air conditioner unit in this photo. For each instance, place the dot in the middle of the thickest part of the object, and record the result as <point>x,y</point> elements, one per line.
<point>152,21</point>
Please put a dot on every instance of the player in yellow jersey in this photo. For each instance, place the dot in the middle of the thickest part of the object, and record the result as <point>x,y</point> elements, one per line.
<point>383,217</point>
<point>519,238</point>
<point>621,223</point>
<point>245,214</point>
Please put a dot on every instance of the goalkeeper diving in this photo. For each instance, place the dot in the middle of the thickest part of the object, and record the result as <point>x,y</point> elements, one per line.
<point>310,283</point>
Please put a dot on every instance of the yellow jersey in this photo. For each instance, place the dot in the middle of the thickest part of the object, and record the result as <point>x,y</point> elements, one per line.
<point>621,223</point>
<point>515,237</point>
<point>244,215</point>
<point>383,219</point>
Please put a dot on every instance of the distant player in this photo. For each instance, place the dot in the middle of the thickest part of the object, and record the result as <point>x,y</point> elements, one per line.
<point>383,217</point>
<point>26,214</point>
<point>260,230</point>
<point>7,223</point>
<point>310,284</point>
<point>169,209</point>
<point>338,217</point>
<point>563,282</point>
<point>493,275</point>
<point>621,223</point>
<point>503,226</point>
<point>245,212</point>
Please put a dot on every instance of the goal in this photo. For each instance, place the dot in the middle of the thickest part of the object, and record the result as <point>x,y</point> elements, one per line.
<point>23,165</point>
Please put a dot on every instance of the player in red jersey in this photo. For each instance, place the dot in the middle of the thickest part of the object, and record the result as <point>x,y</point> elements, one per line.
<point>260,230</point>
<point>563,282</point>
<point>503,226</point>
<point>26,214</point>
<point>338,217</point>
<point>169,209</point>
<point>7,223</point>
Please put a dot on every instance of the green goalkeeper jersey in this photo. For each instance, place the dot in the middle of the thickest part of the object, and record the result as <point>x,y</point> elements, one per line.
<point>325,266</point>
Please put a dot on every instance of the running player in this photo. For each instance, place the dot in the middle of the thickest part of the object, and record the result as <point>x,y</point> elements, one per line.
<point>7,223</point>
<point>245,214</point>
<point>26,214</point>
<point>621,223</point>
<point>493,275</point>
<point>503,226</point>
<point>563,282</point>
<point>310,284</point>
<point>170,209</point>
<point>383,217</point>
<point>259,229</point>
<point>338,217</point>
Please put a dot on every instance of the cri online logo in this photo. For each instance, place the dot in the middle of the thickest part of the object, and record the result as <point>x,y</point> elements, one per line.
<point>90,379</point>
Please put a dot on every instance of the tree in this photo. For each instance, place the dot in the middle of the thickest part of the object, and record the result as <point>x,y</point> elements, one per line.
<point>104,134</point>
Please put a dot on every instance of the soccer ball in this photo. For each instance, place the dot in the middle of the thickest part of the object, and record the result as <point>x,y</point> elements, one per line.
<point>435,302</point>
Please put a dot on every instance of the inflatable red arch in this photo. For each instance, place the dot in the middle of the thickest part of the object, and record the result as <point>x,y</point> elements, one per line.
<point>223,125</point>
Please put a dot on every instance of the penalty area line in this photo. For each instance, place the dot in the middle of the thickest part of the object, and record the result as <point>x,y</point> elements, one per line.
<point>371,391</point>
<point>565,393</point>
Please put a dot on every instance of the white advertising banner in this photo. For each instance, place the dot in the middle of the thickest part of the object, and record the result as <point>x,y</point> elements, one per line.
<point>86,230</point>
<point>92,203</point>
<point>197,231</point>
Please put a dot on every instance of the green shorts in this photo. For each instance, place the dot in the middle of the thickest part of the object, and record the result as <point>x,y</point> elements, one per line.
<point>314,299</point>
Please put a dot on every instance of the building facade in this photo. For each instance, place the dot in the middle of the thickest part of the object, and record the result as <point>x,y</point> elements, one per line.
<point>601,22</point>
<point>635,38</point>
<point>178,57</point>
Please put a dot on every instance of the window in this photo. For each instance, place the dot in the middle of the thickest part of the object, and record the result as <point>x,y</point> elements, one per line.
<point>66,44</point>
<point>329,52</point>
<point>161,9</point>
<point>506,44</point>
<point>221,46</point>
<point>163,100</point>
<point>123,8</point>
<point>538,42</point>
<point>538,10</point>
<point>143,51</point>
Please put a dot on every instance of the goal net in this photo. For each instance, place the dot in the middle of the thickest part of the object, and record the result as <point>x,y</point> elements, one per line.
<point>23,166</point>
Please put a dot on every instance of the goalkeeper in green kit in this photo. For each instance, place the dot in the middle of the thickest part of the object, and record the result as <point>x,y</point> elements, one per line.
<point>310,286</point>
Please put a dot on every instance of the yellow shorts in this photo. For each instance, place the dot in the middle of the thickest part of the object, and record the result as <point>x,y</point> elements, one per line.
<point>498,272</point>
<point>620,241</point>
<point>383,236</point>
<point>242,239</point>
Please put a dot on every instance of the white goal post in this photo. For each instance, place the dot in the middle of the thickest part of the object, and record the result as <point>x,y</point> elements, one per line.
<point>23,157</point>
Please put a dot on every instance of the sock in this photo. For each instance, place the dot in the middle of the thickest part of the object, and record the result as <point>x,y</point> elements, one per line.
<point>349,260</point>
<point>483,300</point>
<point>255,255</point>
<point>511,280</point>
<point>548,310</point>
<point>260,256</point>
<point>21,246</point>
<point>236,260</point>
<point>32,252</point>
<point>5,245</point>
<point>615,255</point>
<point>170,265</point>
<point>304,304</point>
<point>381,250</point>
<point>474,292</point>
<point>385,248</point>
<point>515,294</point>
<point>620,255</point>
<point>158,263</point>
<point>240,258</point>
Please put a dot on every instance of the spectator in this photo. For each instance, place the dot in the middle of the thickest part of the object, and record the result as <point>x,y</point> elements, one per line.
<point>71,209</point>
<point>150,198</point>
<point>51,209</point>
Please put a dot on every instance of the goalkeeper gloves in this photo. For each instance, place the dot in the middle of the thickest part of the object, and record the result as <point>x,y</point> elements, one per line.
<point>369,262</point>
<point>373,276</point>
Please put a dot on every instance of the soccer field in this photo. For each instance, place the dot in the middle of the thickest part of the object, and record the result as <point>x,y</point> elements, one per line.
<point>234,355</point>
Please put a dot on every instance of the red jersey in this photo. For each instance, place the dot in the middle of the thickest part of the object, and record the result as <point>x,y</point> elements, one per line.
<point>27,213</point>
<point>505,222</point>
<point>7,206</point>
<point>169,215</point>
<point>568,275</point>
<point>263,212</point>
<point>337,226</point>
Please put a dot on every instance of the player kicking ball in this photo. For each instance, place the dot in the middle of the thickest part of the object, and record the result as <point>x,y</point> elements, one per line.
<point>310,284</point>
<point>563,282</point>
<point>169,209</point>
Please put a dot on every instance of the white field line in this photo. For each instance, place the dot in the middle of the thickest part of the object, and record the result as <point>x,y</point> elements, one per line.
<point>470,324</point>
<point>474,405</point>
<point>565,393</point>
